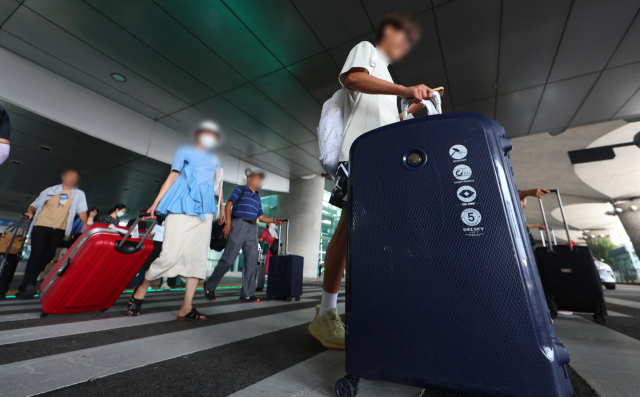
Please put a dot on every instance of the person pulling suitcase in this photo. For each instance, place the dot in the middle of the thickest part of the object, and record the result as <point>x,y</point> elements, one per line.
<point>241,232</point>
<point>370,96</point>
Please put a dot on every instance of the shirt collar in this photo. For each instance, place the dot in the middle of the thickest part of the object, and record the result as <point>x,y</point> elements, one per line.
<point>249,190</point>
<point>383,57</point>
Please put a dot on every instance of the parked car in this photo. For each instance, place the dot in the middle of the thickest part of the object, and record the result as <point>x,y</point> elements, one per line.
<point>606,274</point>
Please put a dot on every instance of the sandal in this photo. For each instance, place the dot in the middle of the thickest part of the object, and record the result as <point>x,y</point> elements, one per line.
<point>194,315</point>
<point>132,299</point>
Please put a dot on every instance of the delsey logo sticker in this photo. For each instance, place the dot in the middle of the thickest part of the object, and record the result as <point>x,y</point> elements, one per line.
<point>458,152</point>
<point>466,194</point>
<point>462,172</point>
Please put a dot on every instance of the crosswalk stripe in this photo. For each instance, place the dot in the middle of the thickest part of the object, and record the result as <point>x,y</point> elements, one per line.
<point>66,369</point>
<point>316,377</point>
<point>623,302</point>
<point>54,331</point>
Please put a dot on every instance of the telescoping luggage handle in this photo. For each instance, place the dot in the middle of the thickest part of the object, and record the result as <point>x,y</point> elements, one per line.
<point>564,219</point>
<point>553,234</point>
<point>144,237</point>
<point>434,105</point>
<point>21,224</point>
<point>286,242</point>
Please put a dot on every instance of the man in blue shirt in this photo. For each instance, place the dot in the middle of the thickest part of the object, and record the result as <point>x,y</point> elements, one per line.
<point>241,231</point>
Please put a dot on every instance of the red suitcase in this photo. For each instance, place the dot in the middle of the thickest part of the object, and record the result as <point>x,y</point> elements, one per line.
<point>95,270</point>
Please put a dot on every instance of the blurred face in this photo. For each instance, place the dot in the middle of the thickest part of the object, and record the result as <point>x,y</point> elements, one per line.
<point>208,139</point>
<point>93,213</point>
<point>396,43</point>
<point>70,178</point>
<point>255,182</point>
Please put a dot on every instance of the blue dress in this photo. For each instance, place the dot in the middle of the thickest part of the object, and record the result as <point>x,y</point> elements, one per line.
<point>193,192</point>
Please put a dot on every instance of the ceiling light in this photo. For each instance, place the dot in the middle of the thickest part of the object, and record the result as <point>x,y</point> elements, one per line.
<point>601,235</point>
<point>618,210</point>
<point>16,162</point>
<point>633,208</point>
<point>43,147</point>
<point>125,188</point>
<point>118,77</point>
<point>326,221</point>
<point>592,236</point>
<point>308,176</point>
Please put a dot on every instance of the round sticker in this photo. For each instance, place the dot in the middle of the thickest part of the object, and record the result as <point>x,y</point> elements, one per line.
<point>462,172</point>
<point>458,152</point>
<point>471,217</point>
<point>467,194</point>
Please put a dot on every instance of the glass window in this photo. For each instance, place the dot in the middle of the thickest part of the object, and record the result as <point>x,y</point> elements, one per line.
<point>330,218</point>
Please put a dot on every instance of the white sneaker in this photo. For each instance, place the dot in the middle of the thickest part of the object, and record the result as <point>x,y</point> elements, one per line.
<point>165,287</point>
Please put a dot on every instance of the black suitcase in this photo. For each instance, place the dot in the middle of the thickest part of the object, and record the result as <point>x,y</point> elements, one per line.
<point>442,290</point>
<point>285,273</point>
<point>569,275</point>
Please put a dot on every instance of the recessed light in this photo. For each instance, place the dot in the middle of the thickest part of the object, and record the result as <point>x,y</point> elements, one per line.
<point>16,162</point>
<point>125,188</point>
<point>118,77</point>
<point>43,147</point>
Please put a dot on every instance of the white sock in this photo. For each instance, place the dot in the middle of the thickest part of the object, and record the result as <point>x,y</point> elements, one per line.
<point>329,301</point>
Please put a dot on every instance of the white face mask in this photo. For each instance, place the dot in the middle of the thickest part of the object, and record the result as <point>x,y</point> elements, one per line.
<point>208,141</point>
<point>120,213</point>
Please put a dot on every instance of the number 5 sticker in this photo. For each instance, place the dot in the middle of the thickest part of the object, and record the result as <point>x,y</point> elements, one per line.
<point>471,217</point>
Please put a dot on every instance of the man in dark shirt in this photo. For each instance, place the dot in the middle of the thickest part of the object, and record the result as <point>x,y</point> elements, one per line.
<point>241,231</point>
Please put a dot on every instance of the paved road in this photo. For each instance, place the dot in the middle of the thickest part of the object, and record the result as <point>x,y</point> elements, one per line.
<point>258,349</point>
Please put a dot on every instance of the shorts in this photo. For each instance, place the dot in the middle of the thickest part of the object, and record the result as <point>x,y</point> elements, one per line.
<point>340,186</point>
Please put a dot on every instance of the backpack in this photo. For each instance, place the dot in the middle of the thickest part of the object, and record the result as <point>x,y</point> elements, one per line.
<point>332,126</point>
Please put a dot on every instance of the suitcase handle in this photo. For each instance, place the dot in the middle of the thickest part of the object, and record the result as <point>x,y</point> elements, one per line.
<point>434,105</point>
<point>138,219</point>
<point>564,219</point>
<point>286,244</point>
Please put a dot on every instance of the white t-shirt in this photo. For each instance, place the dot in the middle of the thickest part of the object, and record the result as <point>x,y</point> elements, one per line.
<point>373,111</point>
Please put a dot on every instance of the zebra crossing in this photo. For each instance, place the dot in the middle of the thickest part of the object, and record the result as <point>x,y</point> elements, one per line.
<point>259,349</point>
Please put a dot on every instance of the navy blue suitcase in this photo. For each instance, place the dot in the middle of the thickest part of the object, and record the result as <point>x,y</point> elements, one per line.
<point>285,277</point>
<point>442,289</point>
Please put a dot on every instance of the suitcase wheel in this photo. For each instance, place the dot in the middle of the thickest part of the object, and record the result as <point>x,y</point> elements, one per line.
<point>259,289</point>
<point>347,386</point>
<point>599,319</point>
<point>288,299</point>
<point>297,298</point>
<point>43,314</point>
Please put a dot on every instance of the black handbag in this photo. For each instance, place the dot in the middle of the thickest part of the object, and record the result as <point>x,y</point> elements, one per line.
<point>218,242</point>
<point>274,247</point>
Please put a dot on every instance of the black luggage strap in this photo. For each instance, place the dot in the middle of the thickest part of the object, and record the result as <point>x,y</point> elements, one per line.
<point>233,212</point>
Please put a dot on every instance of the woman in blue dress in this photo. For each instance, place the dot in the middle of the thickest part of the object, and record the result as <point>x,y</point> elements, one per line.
<point>187,198</point>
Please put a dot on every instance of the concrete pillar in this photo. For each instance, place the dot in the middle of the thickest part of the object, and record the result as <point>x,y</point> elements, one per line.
<point>303,207</point>
<point>629,214</point>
